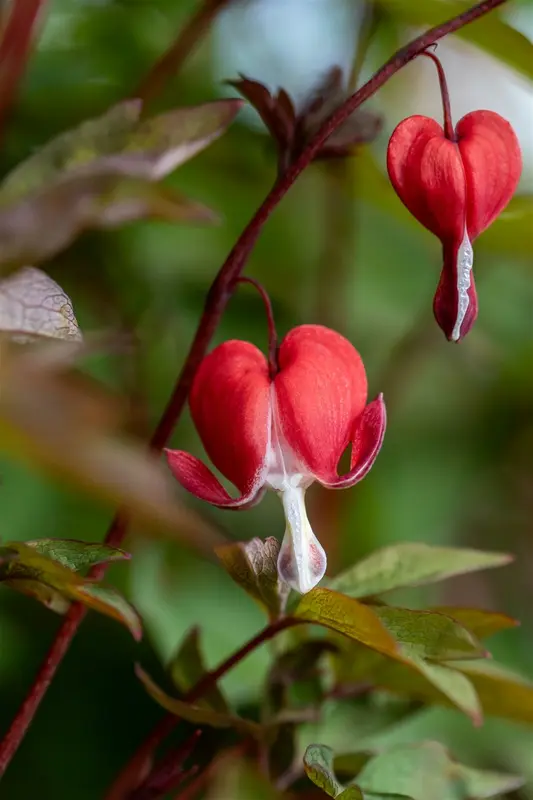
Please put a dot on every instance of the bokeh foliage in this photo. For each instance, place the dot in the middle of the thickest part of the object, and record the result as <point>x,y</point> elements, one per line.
<point>456,467</point>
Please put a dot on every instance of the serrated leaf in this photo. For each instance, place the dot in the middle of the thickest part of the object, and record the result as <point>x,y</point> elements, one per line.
<point>187,667</point>
<point>345,615</point>
<point>77,555</point>
<point>253,565</point>
<point>419,771</point>
<point>411,564</point>
<point>477,784</point>
<point>318,765</point>
<point>479,622</point>
<point>55,585</point>
<point>192,712</point>
<point>33,305</point>
<point>82,180</point>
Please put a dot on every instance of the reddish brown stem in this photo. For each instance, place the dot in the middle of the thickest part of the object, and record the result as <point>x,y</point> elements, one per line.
<point>172,61</point>
<point>272,332</point>
<point>14,50</point>
<point>449,130</point>
<point>166,725</point>
<point>217,299</point>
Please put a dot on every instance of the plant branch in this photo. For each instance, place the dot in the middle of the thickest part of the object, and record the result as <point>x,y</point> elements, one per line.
<point>217,299</point>
<point>145,752</point>
<point>14,50</point>
<point>172,61</point>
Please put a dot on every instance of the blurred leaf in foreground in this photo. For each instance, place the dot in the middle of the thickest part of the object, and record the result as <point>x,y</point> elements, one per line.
<point>187,667</point>
<point>56,585</point>
<point>32,304</point>
<point>96,176</point>
<point>68,424</point>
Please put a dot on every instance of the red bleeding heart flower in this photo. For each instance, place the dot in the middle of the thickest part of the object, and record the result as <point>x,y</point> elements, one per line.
<point>282,432</point>
<point>455,182</point>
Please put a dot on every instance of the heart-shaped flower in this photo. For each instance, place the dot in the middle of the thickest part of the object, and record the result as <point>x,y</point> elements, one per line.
<point>282,432</point>
<point>455,182</point>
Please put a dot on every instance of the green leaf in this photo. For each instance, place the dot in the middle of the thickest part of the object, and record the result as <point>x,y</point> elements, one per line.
<point>33,305</point>
<point>199,715</point>
<point>345,615</point>
<point>77,555</point>
<point>253,565</point>
<point>351,764</point>
<point>490,32</point>
<point>56,585</point>
<point>92,177</point>
<point>238,781</point>
<point>187,667</point>
<point>480,784</point>
<point>419,771</point>
<point>411,564</point>
<point>454,685</point>
<point>424,634</point>
<point>318,765</point>
<point>502,693</point>
<point>479,622</point>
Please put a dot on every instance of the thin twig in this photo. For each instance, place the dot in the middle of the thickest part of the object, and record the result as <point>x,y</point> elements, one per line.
<point>172,61</point>
<point>210,679</point>
<point>217,299</point>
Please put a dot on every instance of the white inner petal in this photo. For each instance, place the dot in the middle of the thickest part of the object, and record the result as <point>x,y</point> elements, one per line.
<point>302,561</point>
<point>465,262</point>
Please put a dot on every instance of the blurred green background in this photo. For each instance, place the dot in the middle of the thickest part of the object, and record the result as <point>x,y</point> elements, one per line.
<point>457,463</point>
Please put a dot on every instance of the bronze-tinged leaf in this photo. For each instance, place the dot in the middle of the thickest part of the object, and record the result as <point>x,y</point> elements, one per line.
<point>197,714</point>
<point>345,615</point>
<point>82,181</point>
<point>424,634</point>
<point>77,555</point>
<point>34,305</point>
<point>187,667</point>
<point>276,112</point>
<point>502,693</point>
<point>108,601</point>
<point>318,765</point>
<point>253,565</point>
<point>455,686</point>
<point>479,622</point>
<point>55,585</point>
<point>411,564</point>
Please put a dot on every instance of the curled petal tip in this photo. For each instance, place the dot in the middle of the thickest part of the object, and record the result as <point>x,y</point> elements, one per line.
<point>198,479</point>
<point>367,438</point>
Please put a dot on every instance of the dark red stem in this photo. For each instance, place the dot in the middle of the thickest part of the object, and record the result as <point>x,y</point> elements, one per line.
<point>171,62</point>
<point>272,332</point>
<point>167,724</point>
<point>449,130</point>
<point>14,50</point>
<point>217,299</point>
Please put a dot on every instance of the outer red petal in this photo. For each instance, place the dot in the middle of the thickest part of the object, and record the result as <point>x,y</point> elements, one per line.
<point>200,481</point>
<point>492,162</point>
<point>230,406</point>
<point>367,438</point>
<point>320,389</point>
<point>427,174</point>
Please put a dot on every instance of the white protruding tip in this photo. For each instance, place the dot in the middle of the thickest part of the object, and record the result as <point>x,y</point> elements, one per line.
<point>465,262</point>
<point>302,561</point>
